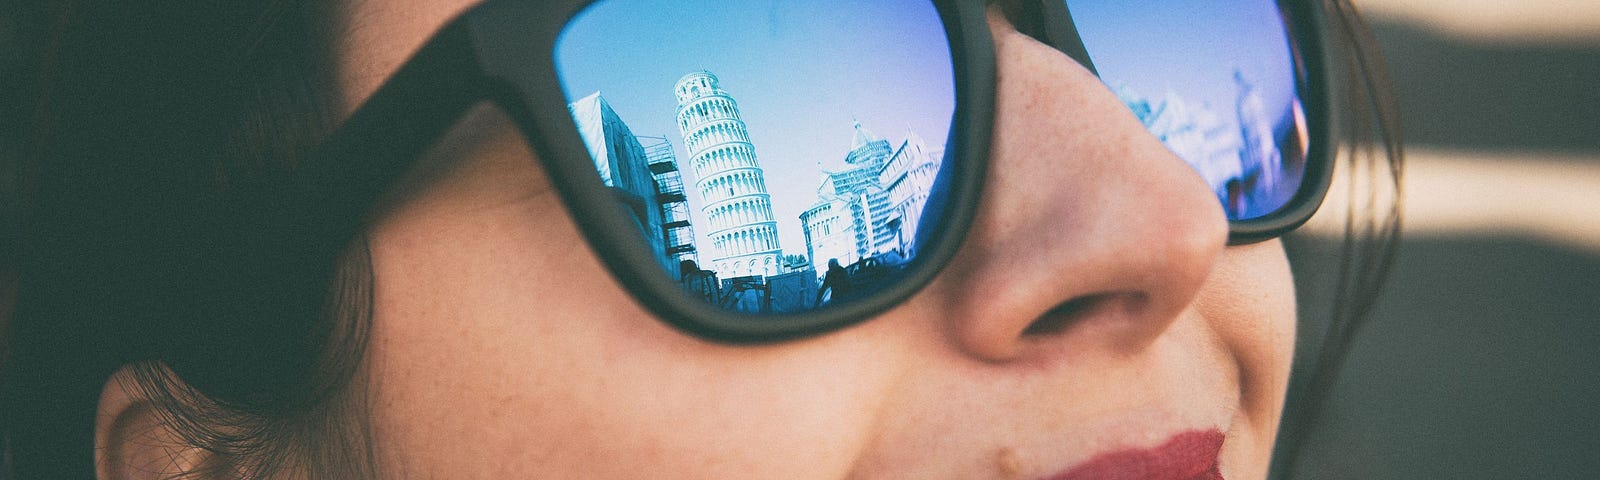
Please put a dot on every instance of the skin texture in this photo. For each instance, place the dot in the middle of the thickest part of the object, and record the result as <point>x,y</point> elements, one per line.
<point>498,353</point>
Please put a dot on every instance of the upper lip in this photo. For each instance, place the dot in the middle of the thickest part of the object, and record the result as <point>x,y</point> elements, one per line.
<point>1189,455</point>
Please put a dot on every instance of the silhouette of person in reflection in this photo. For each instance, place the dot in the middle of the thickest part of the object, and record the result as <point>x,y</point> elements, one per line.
<point>701,282</point>
<point>837,280</point>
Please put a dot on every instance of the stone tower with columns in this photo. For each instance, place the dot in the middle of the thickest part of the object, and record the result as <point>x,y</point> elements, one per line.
<point>732,187</point>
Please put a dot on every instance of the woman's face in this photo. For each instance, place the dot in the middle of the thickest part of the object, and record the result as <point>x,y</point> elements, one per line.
<point>1093,323</point>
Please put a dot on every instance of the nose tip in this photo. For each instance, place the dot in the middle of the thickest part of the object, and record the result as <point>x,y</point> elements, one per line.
<point>1087,219</point>
<point>1122,278</point>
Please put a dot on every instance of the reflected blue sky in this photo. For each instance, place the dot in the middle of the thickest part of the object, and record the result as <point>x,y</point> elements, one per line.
<point>1190,47</point>
<point>801,72</point>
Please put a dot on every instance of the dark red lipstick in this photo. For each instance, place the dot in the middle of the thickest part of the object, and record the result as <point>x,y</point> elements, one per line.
<point>1186,456</point>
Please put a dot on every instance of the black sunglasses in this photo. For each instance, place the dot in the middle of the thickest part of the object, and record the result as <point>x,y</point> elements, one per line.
<point>721,157</point>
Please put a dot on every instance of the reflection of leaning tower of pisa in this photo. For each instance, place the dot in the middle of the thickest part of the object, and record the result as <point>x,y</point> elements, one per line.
<point>738,211</point>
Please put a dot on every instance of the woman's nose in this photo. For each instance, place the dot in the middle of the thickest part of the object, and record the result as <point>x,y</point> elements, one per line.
<point>1089,227</point>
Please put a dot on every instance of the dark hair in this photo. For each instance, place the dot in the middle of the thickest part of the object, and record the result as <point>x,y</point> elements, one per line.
<point>150,119</point>
<point>1374,173</point>
<point>139,116</point>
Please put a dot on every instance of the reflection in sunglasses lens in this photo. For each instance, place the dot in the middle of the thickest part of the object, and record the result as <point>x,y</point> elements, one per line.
<point>1215,82</point>
<point>742,138</point>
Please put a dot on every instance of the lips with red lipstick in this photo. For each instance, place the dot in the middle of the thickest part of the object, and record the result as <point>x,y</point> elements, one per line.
<point>1186,456</point>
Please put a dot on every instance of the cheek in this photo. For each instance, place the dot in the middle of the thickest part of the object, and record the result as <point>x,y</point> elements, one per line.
<point>495,353</point>
<point>1249,303</point>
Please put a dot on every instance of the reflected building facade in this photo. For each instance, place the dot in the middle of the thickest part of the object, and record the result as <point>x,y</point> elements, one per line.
<point>738,210</point>
<point>1244,161</point>
<point>1195,133</point>
<point>873,206</point>
<point>1260,156</point>
<point>624,164</point>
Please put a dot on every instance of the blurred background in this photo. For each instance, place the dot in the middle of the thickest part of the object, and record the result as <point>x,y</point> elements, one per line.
<point>1482,360</point>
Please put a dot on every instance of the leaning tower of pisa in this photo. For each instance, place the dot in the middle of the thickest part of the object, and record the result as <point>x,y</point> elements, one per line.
<point>733,190</point>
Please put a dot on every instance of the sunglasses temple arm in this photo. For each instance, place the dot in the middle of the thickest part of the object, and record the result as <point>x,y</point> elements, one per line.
<point>326,202</point>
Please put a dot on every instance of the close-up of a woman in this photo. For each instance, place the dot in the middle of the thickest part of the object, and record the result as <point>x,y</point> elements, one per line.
<point>1026,239</point>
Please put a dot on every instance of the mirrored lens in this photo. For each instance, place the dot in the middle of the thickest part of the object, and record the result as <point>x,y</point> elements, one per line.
<point>777,156</point>
<point>1215,81</point>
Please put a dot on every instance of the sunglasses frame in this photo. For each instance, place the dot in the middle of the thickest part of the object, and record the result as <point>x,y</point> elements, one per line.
<point>501,52</point>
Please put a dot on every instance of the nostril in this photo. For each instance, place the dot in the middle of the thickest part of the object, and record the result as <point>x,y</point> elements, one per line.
<point>1058,318</point>
<point>1115,306</point>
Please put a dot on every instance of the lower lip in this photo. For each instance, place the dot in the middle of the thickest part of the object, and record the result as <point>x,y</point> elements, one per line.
<point>1186,456</point>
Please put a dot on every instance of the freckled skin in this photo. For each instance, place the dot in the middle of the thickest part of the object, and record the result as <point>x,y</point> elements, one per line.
<point>496,352</point>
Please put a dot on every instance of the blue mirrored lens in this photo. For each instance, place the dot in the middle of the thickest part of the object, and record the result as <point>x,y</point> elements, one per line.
<point>1215,81</point>
<point>778,156</point>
